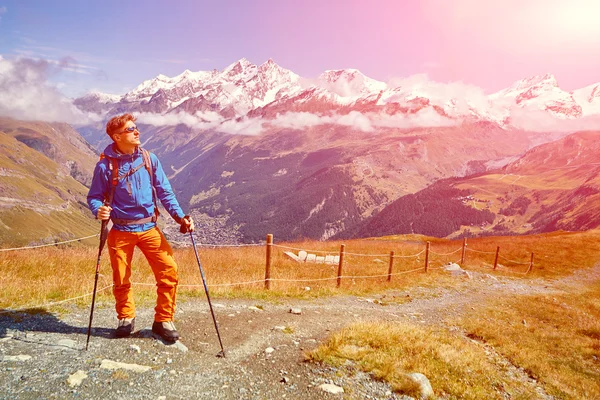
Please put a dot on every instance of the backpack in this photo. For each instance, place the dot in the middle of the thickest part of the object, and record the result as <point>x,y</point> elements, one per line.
<point>113,166</point>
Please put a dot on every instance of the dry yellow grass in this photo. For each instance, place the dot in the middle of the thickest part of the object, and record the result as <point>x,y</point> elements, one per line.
<point>456,367</point>
<point>38,276</point>
<point>555,338</point>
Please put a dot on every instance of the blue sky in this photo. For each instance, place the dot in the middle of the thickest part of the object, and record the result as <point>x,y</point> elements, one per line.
<point>112,46</point>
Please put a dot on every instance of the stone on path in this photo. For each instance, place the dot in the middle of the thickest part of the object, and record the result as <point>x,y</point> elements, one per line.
<point>20,357</point>
<point>76,378</point>
<point>424,384</point>
<point>180,346</point>
<point>69,343</point>
<point>331,388</point>
<point>136,348</point>
<point>296,311</point>
<point>269,350</point>
<point>113,365</point>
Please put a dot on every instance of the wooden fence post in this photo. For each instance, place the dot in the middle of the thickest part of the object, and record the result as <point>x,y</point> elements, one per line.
<point>496,260</point>
<point>530,264</point>
<point>389,279</point>
<point>268,264</point>
<point>427,256</point>
<point>339,273</point>
<point>464,248</point>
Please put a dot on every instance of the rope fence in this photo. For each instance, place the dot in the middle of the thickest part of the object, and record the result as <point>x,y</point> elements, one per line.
<point>343,260</point>
<point>49,244</point>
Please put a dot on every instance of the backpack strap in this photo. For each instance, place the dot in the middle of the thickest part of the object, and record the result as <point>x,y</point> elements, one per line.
<point>148,165</point>
<point>113,166</point>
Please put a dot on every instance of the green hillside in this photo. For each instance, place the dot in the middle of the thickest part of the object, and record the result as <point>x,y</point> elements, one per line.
<point>39,201</point>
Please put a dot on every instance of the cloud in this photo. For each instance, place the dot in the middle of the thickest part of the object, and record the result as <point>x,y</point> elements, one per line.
<point>535,120</point>
<point>3,10</point>
<point>26,94</point>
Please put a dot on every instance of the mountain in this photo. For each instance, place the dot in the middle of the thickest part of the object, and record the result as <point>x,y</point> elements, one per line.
<point>542,93</point>
<point>320,181</point>
<point>256,149</point>
<point>554,186</point>
<point>246,90</point>
<point>44,168</point>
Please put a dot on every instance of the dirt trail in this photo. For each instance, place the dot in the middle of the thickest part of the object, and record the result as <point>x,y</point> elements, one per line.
<point>56,345</point>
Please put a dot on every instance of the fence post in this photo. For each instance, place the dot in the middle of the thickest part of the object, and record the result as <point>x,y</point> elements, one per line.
<point>496,260</point>
<point>427,256</point>
<point>339,273</point>
<point>389,279</point>
<point>268,264</point>
<point>464,248</point>
<point>530,264</point>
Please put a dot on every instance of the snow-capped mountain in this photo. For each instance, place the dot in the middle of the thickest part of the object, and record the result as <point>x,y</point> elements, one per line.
<point>588,98</point>
<point>542,93</point>
<point>244,89</point>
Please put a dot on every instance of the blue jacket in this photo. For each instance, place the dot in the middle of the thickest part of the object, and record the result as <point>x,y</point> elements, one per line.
<point>139,204</point>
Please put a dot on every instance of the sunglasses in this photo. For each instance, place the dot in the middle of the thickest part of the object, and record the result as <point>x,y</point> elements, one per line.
<point>130,129</point>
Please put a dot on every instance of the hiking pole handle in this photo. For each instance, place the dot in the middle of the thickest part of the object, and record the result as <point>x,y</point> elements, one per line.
<point>222,352</point>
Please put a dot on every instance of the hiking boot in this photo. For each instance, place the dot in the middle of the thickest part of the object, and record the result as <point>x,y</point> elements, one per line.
<point>166,330</point>
<point>125,328</point>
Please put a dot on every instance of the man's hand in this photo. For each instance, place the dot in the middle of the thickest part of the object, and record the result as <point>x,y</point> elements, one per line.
<point>187,224</point>
<point>104,212</point>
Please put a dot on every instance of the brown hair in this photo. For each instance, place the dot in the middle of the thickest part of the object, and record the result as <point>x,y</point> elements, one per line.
<point>115,124</point>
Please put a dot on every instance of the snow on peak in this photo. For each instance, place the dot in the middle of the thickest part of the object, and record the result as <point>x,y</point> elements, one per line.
<point>537,84</point>
<point>103,98</point>
<point>547,80</point>
<point>588,98</point>
<point>349,83</point>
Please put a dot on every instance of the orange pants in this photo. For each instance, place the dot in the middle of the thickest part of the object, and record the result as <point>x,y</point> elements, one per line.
<point>159,254</point>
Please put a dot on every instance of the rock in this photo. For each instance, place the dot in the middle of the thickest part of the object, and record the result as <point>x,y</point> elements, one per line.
<point>76,378</point>
<point>113,365</point>
<point>254,308</point>
<point>20,357</point>
<point>331,388</point>
<point>280,328</point>
<point>424,384</point>
<point>456,270</point>
<point>71,344</point>
<point>135,348</point>
<point>296,311</point>
<point>180,346</point>
<point>307,288</point>
<point>269,350</point>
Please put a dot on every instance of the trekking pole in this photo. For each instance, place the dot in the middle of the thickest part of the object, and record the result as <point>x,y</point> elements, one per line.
<point>103,232</point>
<point>222,352</point>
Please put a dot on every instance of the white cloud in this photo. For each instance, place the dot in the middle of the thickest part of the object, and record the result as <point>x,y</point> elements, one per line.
<point>3,10</point>
<point>535,120</point>
<point>25,93</point>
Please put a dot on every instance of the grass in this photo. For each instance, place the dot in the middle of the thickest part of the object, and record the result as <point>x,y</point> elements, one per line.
<point>456,367</point>
<point>57,273</point>
<point>556,339</point>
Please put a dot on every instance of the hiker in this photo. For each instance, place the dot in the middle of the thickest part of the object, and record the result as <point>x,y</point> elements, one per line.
<point>127,183</point>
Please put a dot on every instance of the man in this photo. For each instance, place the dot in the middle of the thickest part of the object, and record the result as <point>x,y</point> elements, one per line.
<point>125,191</point>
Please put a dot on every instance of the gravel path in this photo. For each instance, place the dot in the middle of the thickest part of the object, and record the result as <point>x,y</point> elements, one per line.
<point>265,346</point>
